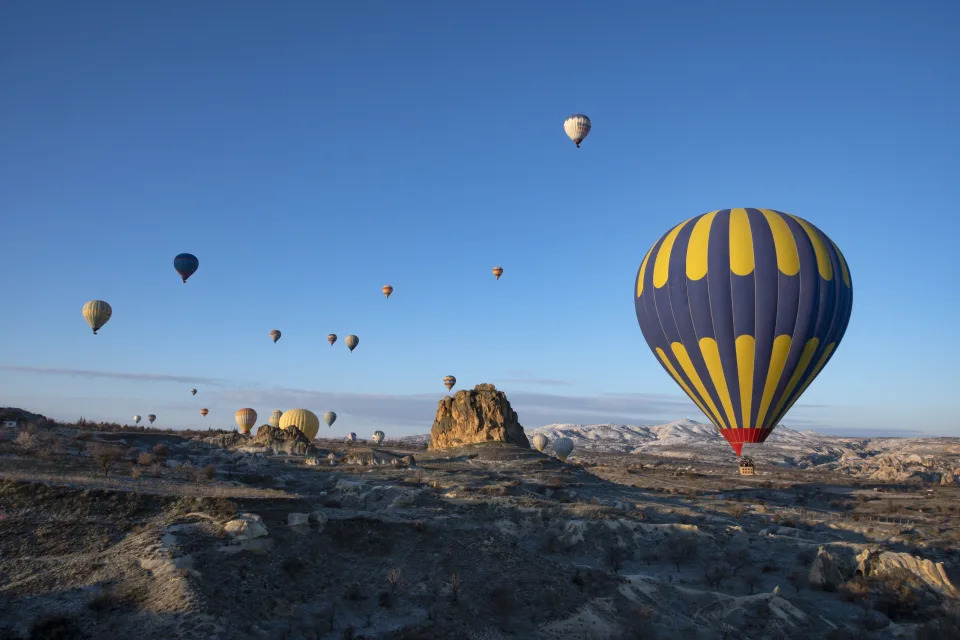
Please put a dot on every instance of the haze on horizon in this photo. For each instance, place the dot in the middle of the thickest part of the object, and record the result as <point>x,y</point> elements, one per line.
<point>307,165</point>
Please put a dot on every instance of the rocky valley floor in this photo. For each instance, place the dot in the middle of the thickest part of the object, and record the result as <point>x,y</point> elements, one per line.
<point>170,537</point>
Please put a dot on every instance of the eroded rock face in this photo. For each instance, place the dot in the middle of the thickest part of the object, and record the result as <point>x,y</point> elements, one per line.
<point>881,563</point>
<point>482,414</point>
<point>289,441</point>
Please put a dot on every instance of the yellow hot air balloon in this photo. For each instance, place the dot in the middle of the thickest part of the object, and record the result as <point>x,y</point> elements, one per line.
<point>387,290</point>
<point>577,127</point>
<point>498,271</point>
<point>96,313</point>
<point>275,418</point>
<point>540,442</point>
<point>303,419</point>
<point>246,418</point>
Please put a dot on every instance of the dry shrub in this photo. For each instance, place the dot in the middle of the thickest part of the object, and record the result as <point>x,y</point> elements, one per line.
<point>161,450</point>
<point>146,459</point>
<point>27,441</point>
<point>136,472</point>
<point>209,471</point>
<point>105,456</point>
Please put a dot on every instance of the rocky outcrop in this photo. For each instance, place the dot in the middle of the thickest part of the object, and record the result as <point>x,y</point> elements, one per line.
<point>482,414</point>
<point>290,441</point>
<point>827,571</point>
<point>884,563</point>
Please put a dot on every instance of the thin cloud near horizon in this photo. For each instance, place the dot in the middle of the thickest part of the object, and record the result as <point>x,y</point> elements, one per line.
<point>116,375</point>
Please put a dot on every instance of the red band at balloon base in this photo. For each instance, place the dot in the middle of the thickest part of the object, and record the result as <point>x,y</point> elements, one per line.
<point>738,437</point>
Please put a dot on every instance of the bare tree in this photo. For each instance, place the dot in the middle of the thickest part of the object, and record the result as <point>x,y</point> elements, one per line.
<point>750,578</point>
<point>737,558</point>
<point>681,549</point>
<point>455,586</point>
<point>105,457</point>
<point>715,573</point>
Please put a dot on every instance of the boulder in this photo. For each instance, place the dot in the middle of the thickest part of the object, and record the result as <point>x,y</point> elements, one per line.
<point>931,574</point>
<point>825,572</point>
<point>246,527</point>
<point>482,414</point>
<point>297,519</point>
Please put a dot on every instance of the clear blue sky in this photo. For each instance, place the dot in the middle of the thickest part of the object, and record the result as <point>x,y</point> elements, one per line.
<point>309,153</point>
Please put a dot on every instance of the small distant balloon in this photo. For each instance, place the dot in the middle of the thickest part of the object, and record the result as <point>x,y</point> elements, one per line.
<point>151,418</point>
<point>136,419</point>
<point>562,447</point>
<point>331,338</point>
<point>275,334</point>
<point>498,271</point>
<point>352,341</point>
<point>96,313</point>
<point>351,437</point>
<point>577,127</point>
<point>449,381</point>
<point>275,418</point>
<point>329,417</point>
<point>204,412</point>
<point>540,442</point>
<point>245,418</point>
<point>387,290</point>
<point>378,436</point>
<point>193,392</point>
<point>186,265</point>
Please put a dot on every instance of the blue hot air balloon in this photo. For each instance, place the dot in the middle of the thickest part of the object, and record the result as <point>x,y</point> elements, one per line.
<point>743,308</point>
<point>186,264</point>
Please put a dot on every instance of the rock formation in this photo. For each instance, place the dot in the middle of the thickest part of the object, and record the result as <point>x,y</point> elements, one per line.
<point>290,440</point>
<point>479,415</point>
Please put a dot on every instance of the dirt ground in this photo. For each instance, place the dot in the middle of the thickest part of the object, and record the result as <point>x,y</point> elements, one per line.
<point>482,542</point>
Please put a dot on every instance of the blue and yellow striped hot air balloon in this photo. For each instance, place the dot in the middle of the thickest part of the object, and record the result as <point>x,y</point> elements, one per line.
<point>743,308</point>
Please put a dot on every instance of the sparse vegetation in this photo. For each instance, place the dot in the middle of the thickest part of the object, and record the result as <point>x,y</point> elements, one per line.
<point>681,549</point>
<point>105,456</point>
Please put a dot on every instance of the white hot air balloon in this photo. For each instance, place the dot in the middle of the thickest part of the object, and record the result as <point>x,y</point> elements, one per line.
<point>577,127</point>
<point>540,442</point>
<point>136,419</point>
<point>351,437</point>
<point>378,436</point>
<point>562,447</point>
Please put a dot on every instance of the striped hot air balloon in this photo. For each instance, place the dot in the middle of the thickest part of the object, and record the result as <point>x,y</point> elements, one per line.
<point>96,313</point>
<point>204,412</point>
<point>743,308</point>
<point>186,265</point>
<point>378,436</point>
<point>498,271</point>
<point>331,338</point>
<point>245,418</point>
<point>274,419</point>
<point>351,341</point>
<point>562,447</point>
<point>577,127</point>
<point>387,290</point>
<point>275,334</point>
<point>449,381</point>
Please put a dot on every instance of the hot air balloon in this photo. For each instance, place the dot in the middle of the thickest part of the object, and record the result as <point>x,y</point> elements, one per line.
<point>96,313</point>
<point>352,341</point>
<point>151,418</point>
<point>331,338</point>
<point>743,308</point>
<point>498,271</point>
<point>449,381</point>
<point>540,442</point>
<point>378,436</point>
<point>302,419</point>
<point>193,392</point>
<point>186,265</point>
<point>136,419</point>
<point>562,447</point>
<point>204,412</point>
<point>275,418</point>
<point>577,127</point>
<point>275,334</point>
<point>245,418</point>
<point>329,417</point>
<point>387,290</point>
<point>351,437</point>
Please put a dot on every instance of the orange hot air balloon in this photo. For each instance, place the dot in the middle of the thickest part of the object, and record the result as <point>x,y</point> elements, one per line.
<point>498,271</point>
<point>204,412</point>
<point>246,418</point>
<point>387,290</point>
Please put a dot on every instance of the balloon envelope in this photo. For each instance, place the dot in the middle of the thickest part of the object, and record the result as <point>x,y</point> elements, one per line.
<point>577,127</point>
<point>352,341</point>
<point>275,418</point>
<point>562,447</point>
<point>193,392</point>
<point>245,418</point>
<point>329,417</point>
<point>204,412</point>
<point>351,437</point>
<point>449,381</point>
<point>303,419</point>
<point>498,271</point>
<point>96,313</point>
<point>331,338</point>
<point>387,290</point>
<point>151,418</point>
<point>186,265</point>
<point>743,308</point>
<point>540,442</point>
<point>136,419</point>
<point>378,436</point>
<point>275,334</point>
